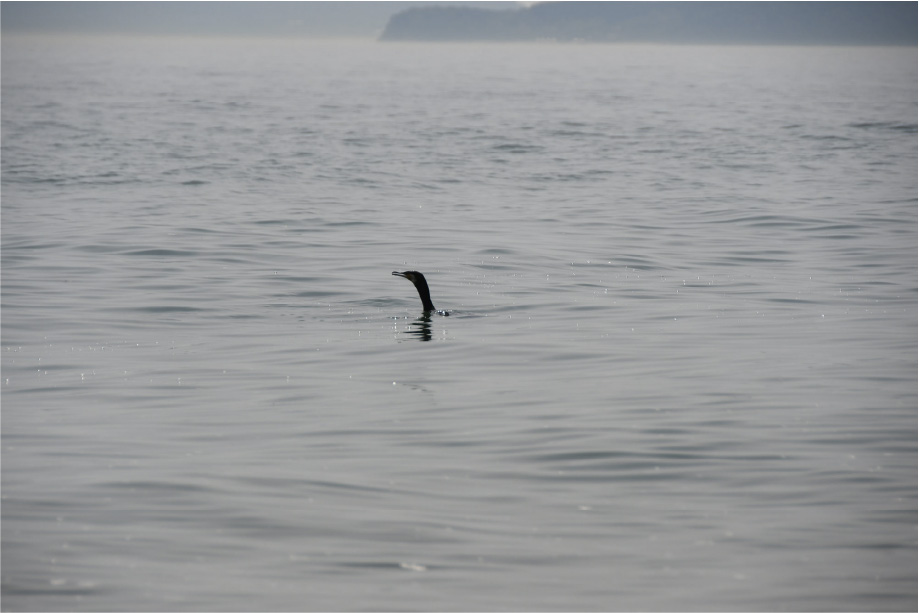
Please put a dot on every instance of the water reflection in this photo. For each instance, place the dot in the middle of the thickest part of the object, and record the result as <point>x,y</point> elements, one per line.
<point>421,328</point>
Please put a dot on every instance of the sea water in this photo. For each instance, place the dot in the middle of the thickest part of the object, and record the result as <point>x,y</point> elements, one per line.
<point>679,371</point>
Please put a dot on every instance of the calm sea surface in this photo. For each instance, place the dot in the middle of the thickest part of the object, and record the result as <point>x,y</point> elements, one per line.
<point>679,371</point>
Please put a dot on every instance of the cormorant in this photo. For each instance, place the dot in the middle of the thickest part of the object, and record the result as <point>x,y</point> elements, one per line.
<point>421,285</point>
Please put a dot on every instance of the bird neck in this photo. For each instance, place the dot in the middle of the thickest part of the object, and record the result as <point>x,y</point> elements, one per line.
<point>425,296</point>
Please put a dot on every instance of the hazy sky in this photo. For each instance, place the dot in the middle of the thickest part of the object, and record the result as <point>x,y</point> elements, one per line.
<point>309,19</point>
<point>809,23</point>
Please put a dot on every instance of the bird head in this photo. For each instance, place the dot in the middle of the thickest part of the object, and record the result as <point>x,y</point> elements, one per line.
<point>420,284</point>
<point>411,275</point>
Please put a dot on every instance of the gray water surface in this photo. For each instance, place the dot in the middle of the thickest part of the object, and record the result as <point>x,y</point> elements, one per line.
<point>679,371</point>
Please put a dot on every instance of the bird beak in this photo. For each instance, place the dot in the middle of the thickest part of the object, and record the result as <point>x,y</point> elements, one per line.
<point>399,274</point>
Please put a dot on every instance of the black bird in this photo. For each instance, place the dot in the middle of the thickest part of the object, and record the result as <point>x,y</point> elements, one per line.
<point>421,285</point>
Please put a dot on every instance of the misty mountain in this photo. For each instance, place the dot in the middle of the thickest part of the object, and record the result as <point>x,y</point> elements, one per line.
<point>806,23</point>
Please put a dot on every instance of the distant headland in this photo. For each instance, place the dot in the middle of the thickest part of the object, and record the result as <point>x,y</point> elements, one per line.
<point>759,23</point>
